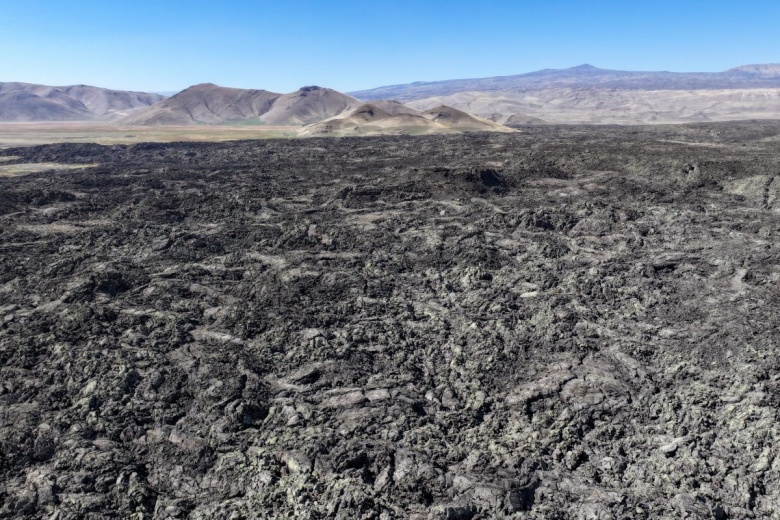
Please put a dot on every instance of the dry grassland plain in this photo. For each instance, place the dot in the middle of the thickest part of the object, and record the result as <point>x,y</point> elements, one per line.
<point>29,134</point>
<point>16,170</point>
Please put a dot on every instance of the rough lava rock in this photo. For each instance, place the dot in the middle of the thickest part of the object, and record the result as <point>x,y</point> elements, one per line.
<point>568,322</point>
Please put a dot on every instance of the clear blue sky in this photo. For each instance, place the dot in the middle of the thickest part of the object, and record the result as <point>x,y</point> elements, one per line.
<point>165,45</point>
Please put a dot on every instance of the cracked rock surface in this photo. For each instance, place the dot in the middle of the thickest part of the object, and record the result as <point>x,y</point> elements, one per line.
<point>573,322</point>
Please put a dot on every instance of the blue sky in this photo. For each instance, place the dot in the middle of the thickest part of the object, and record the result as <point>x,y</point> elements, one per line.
<point>349,45</point>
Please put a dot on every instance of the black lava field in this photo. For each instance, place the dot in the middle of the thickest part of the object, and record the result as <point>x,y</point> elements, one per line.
<point>565,322</point>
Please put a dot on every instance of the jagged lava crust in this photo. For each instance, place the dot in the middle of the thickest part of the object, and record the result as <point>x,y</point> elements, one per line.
<point>564,322</point>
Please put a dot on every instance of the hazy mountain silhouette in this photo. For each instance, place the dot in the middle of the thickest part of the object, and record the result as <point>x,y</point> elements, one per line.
<point>585,77</point>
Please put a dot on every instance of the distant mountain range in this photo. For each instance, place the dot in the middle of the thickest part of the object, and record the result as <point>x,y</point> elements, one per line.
<point>315,110</point>
<point>583,94</point>
<point>585,77</point>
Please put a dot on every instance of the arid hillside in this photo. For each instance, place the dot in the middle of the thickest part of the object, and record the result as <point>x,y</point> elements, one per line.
<point>623,107</point>
<point>396,118</point>
<point>206,104</point>
<point>308,105</point>
<point>589,95</point>
<point>213,105</point>
<point>21,102</point>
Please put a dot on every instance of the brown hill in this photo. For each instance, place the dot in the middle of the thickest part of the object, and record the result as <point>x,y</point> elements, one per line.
<point>308,105</point>
<point>391,117</point>
<point>455,119</point>
<point>206,104</point>
<point>31,102</point>
<point>395,107</point>
<point>20,106</point>
<point>213,105</point>
<point>112,103</point>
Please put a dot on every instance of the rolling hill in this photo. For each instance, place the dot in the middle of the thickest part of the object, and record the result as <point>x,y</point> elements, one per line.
<point>308,105</point>
<point>206,103</point>
<point>212,105</point>
<point>22,102</point>
<point>393,118</point>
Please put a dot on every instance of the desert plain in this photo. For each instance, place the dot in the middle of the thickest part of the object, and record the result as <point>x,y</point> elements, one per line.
<point>36,133</point>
